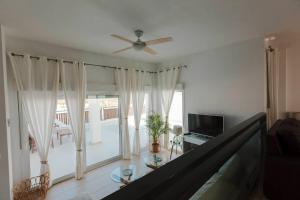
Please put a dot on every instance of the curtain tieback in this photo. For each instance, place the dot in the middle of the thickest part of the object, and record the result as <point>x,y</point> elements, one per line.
<point>79,150</point>
<point>137,129</point>
<point>44,162</point>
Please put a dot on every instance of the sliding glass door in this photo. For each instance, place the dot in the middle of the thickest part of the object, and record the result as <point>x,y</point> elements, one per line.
<point>102,137</point>
<point>102,129</point>
<point>176,114</point>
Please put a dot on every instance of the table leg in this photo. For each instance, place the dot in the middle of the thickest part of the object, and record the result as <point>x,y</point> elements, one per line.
<point>171,151</point>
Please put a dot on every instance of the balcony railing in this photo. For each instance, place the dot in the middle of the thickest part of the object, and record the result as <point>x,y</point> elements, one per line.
<point>105,113</point>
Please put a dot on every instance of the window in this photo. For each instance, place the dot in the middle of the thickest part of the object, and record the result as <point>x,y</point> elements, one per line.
<point>176,112</point>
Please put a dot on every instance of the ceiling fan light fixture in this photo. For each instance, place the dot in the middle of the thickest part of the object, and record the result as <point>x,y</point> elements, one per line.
<point>139,45</point>
<point>138,33</point>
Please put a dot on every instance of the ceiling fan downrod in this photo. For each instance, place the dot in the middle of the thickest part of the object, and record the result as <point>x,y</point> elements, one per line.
<point>139,33</point>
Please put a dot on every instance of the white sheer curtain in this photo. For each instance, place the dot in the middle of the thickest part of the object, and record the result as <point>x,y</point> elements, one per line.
<point>275,61</point>
<point>138,79</point>
<point>155,101</point>
<point>123,85</point>
<point>74,84</point>
<point>167,80</point>
<point>37,81</point>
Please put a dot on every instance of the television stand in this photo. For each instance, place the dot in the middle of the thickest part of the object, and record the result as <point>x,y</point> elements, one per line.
<point>192,140</point>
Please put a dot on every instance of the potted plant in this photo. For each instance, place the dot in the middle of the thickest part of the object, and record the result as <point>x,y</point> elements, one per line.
<point>157,127</point>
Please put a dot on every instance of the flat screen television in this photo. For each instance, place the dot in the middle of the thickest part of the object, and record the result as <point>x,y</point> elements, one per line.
<point>209,125</point>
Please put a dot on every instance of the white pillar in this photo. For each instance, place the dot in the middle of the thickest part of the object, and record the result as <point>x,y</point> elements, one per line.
<point>5,154</point>
<point>94,120</point>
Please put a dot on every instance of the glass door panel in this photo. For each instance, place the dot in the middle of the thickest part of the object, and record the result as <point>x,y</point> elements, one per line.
<point>61,156</point>
<point>102,131</point>
<point>144,136</point>
<point>176,113</point>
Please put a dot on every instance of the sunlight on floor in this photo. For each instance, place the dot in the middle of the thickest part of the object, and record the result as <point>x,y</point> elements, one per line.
<point>98,183</point>
<point>62,156</point>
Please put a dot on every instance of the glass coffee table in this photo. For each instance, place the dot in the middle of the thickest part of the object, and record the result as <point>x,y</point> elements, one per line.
<point>124,174</point>
<point>155,161</point>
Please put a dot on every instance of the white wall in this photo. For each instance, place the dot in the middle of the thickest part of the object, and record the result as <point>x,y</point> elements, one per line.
<point>5,153</point>
<point>227,81</point>
<point>98,79</point>
<point>292,76</point>
<point>20,146</point>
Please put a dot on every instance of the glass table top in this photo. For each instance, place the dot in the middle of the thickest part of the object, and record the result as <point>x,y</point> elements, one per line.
<point>155,161</point>
<point>124,174</point>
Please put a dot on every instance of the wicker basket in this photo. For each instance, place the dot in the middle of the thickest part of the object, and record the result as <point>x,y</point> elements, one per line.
<point>34,188</point>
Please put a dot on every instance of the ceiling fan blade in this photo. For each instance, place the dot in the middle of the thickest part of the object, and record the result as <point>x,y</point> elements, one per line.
<point>121,38</point>
<point>115,52</point>
<point>149,50</point>
<point>159,41</point>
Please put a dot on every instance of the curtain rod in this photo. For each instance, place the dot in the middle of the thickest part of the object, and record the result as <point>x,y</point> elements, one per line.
<point>96,65</point>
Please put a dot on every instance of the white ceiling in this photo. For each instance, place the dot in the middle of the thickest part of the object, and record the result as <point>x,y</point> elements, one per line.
<point>195,25</point>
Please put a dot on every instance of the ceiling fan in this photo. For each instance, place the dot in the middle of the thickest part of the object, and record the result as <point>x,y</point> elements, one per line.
<point>139,44</point>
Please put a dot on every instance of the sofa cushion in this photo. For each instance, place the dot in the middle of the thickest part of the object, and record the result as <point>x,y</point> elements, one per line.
<point>289,127</point>
<point>273,145</point>
<point>292,122</point>
<point>289,138</point>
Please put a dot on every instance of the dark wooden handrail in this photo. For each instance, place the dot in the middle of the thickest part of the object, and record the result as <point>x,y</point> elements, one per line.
<point>180,178</point>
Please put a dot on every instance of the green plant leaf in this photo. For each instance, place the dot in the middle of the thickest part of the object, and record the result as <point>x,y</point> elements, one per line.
<point>156,126</point>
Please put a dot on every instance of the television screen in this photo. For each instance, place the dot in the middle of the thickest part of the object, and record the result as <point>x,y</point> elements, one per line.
<point>211,125</point>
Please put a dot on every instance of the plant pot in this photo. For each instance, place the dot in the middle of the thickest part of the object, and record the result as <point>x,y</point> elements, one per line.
<point>155,147</point>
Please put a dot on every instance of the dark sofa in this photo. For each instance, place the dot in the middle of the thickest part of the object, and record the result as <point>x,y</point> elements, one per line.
<point>282,163</point>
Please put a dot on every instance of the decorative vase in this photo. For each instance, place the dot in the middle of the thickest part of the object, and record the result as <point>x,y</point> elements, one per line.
<point>155,147</point>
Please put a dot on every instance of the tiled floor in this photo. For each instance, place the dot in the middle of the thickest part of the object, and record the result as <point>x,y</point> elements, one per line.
<point>106,149</point>
<point>98,183</point>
